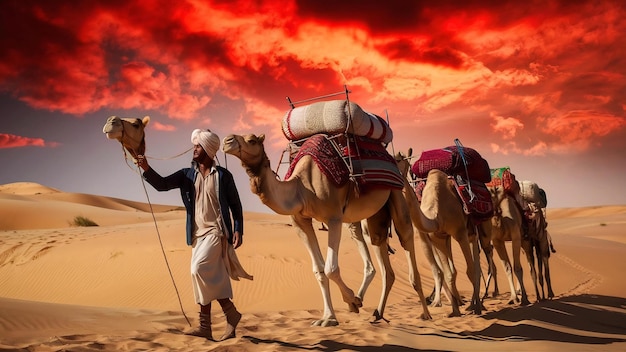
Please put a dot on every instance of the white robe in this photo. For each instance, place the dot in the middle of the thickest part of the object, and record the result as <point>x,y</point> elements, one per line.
<point>213,259</point>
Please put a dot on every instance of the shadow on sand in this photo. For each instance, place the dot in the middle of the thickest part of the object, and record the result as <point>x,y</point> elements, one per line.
<point>585,319</point>
<point>582,319</point>
<point>331,346</point>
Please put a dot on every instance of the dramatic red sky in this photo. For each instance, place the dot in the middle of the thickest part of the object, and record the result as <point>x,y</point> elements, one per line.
<point>538,86</point>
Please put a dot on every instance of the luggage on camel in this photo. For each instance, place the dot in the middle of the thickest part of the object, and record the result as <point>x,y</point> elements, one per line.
<point>372,166</point>
<point>531,193</point>
<point>503,177</point>
<point>345,141</point>
<point>450,161</point>
<point>334,117</point>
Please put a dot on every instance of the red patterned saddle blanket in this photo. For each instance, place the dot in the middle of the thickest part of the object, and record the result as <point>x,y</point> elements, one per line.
<point>503,177</point>
<point>450,161</point>
<point>373,166</point>
<point>477,204</point>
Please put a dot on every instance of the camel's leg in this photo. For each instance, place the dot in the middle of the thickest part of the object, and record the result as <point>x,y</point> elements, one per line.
<point>471,259</point>
<point>488,250</point>
<point>404,227</point>
<point>477,303</point>
<point>453,289</point>
<point>307,235</point>
<point>434,299</point>
<point>332,265</point>
<point>491,274</point>
<point>545,259</point>
<point>546,265</point>
<point>356,233</point>
<point>494,276</point>
<point>452,293</point>
<point>377,227</point>
<point>528,249</point>
<point>506,263</point>
<point>540,262</point>
<point>517,266</point>
<point>484,235</point>
<point>440,244</point>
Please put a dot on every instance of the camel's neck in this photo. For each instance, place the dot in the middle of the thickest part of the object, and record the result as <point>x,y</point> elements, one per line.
<point>280,196</point>
<point>420,221</point>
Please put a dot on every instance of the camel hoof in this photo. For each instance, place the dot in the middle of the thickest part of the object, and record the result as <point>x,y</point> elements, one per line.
<point>426,316</point>
<point>475,308</point>
<point>525,302</point>
<point>325,322</point>
<point>454,314</point>
<point>377,317</point>
<point>436,304</point>
<point>356,303</point>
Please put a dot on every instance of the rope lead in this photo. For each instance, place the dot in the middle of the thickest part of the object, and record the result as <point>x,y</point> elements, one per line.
<point>143,183</point>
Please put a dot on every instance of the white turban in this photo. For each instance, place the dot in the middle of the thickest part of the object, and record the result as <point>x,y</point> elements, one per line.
<point>209,141</point>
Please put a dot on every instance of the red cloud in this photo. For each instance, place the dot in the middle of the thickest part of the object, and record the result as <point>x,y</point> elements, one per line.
<point>580,127</point>
<point>506,126</point>
<point>189,60</point>
<point>162,127</point>
<point>13,141</point>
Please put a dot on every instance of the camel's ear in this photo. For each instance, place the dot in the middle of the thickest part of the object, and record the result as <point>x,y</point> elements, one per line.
<point>261,138</point>
<point>410,152</point>
<point>145,120</point>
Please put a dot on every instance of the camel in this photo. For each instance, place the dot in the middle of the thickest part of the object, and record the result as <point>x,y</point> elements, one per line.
<point>308,194</point>
<point>539,241</point>
<point>507,226</point>
<point>129,131</point>
<point>439,218</point>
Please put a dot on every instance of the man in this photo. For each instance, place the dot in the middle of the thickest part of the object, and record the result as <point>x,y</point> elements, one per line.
<point>210,197</point>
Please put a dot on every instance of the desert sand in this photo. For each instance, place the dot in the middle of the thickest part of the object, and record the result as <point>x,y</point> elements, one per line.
<point>108,288</point>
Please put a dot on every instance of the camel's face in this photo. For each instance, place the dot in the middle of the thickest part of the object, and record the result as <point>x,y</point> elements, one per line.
<point>116,127</point>
<point>404,165</point>
<point>495,193</point>
<point>534,211</point>
<point>129,131</point>
<point>249,148</point>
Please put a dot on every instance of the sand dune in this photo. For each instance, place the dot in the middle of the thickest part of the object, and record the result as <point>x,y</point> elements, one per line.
<point>108,288</point>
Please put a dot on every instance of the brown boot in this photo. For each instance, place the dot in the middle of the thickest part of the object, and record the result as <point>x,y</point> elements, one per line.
<point>232,318</point>
<point>204,330</point>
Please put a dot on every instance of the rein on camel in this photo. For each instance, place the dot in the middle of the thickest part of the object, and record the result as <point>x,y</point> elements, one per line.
<point>143,183</point>
<point>156,226</point>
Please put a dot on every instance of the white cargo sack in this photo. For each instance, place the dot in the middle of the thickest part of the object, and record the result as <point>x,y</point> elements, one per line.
<point>530,193</point>
<point>333,117</point>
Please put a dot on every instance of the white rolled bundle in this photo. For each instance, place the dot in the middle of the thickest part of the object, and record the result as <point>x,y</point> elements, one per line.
<point>333,117</point>
<point>530,192</point>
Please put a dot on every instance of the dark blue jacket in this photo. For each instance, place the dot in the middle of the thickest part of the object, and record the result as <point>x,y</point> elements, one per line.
<point>227,194</point>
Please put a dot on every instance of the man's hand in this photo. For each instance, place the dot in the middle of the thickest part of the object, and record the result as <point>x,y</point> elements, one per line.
<point>237,240</point>
<point>142,162</point>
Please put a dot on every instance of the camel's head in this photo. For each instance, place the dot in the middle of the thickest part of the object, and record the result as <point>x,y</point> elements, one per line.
<point>533,210</point>
<point>497,195</point>
<point>404,162</point>
<point>129,131</point>
<point>249,149</point>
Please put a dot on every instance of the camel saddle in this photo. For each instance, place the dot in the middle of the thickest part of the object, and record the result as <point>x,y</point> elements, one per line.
<point>451,160</point>
<point>503,177</point>
<point>372,166</point>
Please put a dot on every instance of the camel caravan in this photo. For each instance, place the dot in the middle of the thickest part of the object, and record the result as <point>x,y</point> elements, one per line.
<point>340,172</point>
